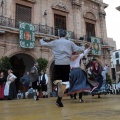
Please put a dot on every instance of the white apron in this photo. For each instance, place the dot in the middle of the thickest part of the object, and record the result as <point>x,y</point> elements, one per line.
<point>10,79</point>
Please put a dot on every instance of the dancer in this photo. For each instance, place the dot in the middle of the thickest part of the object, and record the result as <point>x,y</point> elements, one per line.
<point>34,80</point>
<point>62,51</point>
<point>43,79</point>
<point>96,71</point>
<point>78,77</point>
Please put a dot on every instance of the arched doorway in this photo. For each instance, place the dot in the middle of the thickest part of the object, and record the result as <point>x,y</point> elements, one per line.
<point>21,63</point>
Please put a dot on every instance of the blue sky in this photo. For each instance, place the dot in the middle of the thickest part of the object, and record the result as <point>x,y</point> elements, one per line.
<point>113,20</point>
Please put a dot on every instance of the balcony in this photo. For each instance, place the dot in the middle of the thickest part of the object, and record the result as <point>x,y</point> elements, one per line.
<point>12,23</point>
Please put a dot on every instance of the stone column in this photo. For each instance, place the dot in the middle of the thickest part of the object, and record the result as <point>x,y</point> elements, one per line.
<point>103,29</point>
<point>76,4</point>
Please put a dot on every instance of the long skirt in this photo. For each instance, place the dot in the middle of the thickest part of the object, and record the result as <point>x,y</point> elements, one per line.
<point>12,91</point>
<point>2,91</point>
<point>79,82</point>
<point>99,79</point>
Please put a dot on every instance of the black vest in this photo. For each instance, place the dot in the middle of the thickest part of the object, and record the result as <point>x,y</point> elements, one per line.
<point>43,81</point>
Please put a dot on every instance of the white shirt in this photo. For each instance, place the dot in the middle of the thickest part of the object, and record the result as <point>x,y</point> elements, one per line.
<point>11,77</point>
<point>76,63</point>
<point>46,78</point>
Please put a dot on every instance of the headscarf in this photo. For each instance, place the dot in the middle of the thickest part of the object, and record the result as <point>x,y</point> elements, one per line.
<point>98,70</point>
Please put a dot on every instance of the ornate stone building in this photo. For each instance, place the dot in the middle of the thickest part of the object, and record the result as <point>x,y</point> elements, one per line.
<point>84,18</point>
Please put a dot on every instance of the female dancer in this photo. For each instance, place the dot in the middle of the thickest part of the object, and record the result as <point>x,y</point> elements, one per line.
<point>78,78</point>
<point>96,71</point>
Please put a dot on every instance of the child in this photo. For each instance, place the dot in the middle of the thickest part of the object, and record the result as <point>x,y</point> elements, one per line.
<point>19,95</point>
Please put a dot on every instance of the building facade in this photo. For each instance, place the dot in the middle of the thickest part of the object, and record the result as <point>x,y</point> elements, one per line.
<point>115,65</point>
<point>84,18</point>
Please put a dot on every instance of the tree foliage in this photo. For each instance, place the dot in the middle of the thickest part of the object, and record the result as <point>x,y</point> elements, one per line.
<point>108,79</point>
<point>5,64</point>
<point>42,63</point>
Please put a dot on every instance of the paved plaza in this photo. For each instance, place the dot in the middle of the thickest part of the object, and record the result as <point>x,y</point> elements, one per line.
<point>105,108</point>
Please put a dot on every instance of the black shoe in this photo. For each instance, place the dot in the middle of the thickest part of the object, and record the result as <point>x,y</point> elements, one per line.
<point>58,102</point>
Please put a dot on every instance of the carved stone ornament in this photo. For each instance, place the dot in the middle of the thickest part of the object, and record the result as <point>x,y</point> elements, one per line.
<point>60,6</point>
<point>32,1</point>
<point>90,15</point>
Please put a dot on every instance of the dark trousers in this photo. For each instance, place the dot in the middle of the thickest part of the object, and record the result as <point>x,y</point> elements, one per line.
<point>62,72</point>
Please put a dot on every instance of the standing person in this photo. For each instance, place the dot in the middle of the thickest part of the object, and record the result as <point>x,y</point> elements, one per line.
<point>25,80</point>
<point>78,77</point>
<point>2,85</point>
<point>34,80</point>
<point>62,50</point>
<point>10,88</point>
<point>43,79</point>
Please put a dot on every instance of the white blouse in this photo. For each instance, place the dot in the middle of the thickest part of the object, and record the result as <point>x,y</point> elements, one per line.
<point>76,63</point>
<point>11,77</point>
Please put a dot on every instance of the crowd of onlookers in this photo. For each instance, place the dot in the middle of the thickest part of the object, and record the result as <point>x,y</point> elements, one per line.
<point>8,89</point>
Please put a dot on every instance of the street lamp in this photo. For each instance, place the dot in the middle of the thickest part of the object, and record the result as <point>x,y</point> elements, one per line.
<point>84,60</point>
<point>89,56</point>
<point>94,59</point>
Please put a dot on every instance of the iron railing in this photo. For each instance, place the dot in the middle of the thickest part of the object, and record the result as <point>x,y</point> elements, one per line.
<point>8,22</point>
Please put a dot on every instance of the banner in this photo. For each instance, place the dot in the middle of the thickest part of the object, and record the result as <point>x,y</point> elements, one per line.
<point>96,46</point>
<point>27,35</point>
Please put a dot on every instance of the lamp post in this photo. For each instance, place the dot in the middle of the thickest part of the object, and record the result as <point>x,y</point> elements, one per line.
<point>89,56</point>
<point>84,60</point>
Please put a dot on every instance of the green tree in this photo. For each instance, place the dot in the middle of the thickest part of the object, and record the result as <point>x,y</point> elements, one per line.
<point>108,79</point>
<point>5,64</point>
<point>42,63</point>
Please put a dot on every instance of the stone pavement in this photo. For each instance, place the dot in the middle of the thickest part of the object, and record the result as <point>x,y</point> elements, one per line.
<point>105,108</point>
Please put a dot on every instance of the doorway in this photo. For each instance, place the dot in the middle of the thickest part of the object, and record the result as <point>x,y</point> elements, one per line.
<point>21,63</point>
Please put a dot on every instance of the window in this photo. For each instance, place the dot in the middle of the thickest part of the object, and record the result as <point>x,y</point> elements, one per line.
<point>90,31</point>
<point>113,74</point>
<point>23,14</point>
<point>116,55</point>
<point>117,62</point>
<point>59,23</point>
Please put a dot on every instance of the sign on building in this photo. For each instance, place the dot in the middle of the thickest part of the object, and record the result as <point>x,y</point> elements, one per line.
<point>96,46</point>
<point>27,35</point>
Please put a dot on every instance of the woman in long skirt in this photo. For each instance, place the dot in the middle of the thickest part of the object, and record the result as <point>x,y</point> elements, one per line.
<point>2,85</point>
<point>96,71</point>
<point>10,88</point>
<point>78,78</point>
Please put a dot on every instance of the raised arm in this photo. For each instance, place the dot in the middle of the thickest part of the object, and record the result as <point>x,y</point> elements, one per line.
<point>84,53</point>
<point>47,44</point>
<point>76,48</point>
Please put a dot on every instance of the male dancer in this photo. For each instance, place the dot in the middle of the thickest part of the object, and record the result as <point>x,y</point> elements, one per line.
<point>62,51</point>
<point>34,80</point>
